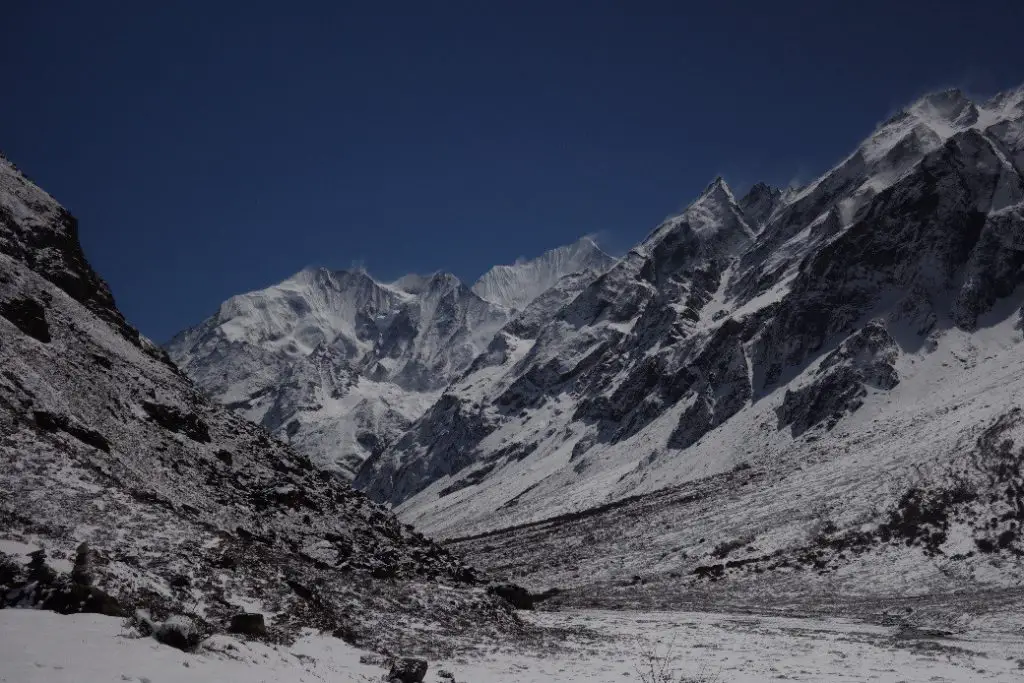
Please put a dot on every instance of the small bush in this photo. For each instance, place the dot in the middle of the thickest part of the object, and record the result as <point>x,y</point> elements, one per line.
<point>10,572</point>
<point>179,631</point>
<point>663,667</point>
<point>725,547</point>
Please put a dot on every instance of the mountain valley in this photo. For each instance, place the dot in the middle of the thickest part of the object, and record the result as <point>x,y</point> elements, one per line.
<point>787,418</point>
<point>819,376</point>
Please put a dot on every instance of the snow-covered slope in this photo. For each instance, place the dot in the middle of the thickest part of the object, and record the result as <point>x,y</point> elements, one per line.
<point>599,647</point>
<point>340,365</point>
<point>184,505</point>
<point>515,286</point>
<point>867,323</point>
<point>335,362</point>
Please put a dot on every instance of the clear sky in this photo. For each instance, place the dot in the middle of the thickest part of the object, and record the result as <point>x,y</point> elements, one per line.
<point>210,148</point>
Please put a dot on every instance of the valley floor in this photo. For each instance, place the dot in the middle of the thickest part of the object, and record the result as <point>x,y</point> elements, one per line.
<point>42,647</point>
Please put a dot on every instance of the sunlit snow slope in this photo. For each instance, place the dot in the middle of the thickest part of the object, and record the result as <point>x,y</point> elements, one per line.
<point>339,364</point>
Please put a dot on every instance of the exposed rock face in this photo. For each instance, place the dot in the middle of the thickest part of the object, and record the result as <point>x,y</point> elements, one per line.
<point>625,346</point>
<point>731,322</point>
<point>108,455</point>
<point>918,236</point>
<point>839,385</point>
<point>721,387</point>
<point>28,316</point>
<point>42,235</point>
<point>760,203</point>
<point>995,267</point>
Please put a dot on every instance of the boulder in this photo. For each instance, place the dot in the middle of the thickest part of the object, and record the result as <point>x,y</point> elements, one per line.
<point>407,670</point>
<point>249,624</point>
<point>177,420</point>
<point>515,595</point>
<point>181,632</point>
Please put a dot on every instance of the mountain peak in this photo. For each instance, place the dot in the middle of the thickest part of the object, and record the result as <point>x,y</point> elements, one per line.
<point>515,286</point>
<point>718,189</point>
<point>950,106</point>
<point>587,246</point>
<point>760,202</point>
<point>758,191</point>
<point>443,280</point>
<point>714,218</point>
<point>1006,101</point>
<point>946,97</point>
<point>585,242</point>
<point>413,283</point>
<point>713,204</point>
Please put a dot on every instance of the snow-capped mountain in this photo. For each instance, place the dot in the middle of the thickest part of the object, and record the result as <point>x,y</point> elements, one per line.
<point>340,365</point>
<point>850,342</point>
<point>111,458</point>
<point>515,286</point>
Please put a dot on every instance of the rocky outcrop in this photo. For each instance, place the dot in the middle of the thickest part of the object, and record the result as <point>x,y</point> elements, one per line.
<point>248,624</point>
<point>111,457</point>
<point>177,420</point>
<point>841,381</point>
<point>50,247</point>
<point>27,315</point>
<point>407,670</point>
<point>513,594</point>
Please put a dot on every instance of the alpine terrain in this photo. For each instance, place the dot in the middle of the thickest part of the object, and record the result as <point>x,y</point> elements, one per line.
<point>123,488</point>
<point>776,395</point>
<point>340,365</point>
<point>783,433</point>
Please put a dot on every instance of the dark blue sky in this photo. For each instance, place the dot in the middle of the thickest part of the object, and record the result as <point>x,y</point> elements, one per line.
<point>210,149</point>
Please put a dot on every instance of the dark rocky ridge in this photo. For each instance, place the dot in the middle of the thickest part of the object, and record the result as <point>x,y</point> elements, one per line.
<point>185,506</point>
<point>44,237</point>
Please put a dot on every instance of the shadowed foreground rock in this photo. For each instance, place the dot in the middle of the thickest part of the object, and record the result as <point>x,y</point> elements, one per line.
<point>249,624</point>
<point>408,670</point>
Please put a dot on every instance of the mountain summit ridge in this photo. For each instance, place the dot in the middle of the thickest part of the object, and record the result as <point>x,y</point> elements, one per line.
<point>339,363</point>
<point>515,286</point>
